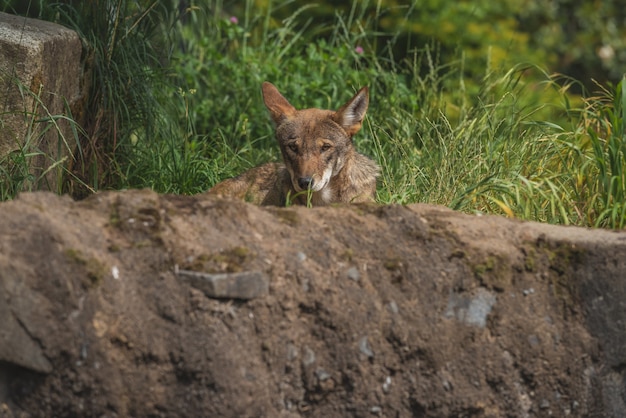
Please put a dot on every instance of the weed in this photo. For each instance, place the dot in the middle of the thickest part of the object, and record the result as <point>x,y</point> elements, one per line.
<point>38,145</point>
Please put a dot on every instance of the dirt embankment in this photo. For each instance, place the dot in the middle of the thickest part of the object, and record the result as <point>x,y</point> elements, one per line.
<point>358,311</point>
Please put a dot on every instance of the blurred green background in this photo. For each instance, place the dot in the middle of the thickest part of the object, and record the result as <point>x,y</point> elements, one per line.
<point>583,39</point>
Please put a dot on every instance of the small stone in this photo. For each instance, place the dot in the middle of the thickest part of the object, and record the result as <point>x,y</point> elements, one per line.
<point>322,374</point>
<point>473,310</point>
<point>353,274</point>
<point>364,347</point>
<point>480,307</point>
<point>533,340</point>
<point>376,410</point>
<point>83,350</point>
<point>300,256</point>
<point>387,384</point>
<point>292,352</point>
<point>309,357</point>
<point>393,307</point>
<point>544,404</point>
<point>325,381</point>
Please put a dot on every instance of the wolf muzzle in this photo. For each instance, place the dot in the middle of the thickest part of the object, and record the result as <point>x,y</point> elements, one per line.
<point>305,183</point>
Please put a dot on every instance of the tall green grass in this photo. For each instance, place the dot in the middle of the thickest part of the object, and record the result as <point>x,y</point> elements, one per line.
<point>601,181</point>
<point>45,145</point>
<point>126,44</point>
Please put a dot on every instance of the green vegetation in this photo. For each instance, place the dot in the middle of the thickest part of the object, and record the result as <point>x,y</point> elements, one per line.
<point>176,103</point>
<point>30,165</point>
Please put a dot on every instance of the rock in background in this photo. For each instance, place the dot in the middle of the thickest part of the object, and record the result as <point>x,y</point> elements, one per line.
<point>361,311</point>
<point>40,73</point>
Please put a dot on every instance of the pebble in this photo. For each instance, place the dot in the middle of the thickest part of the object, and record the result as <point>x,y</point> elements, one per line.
<point>376,410</point>
<point>387,384</point>
<point>309,357</point>
<point>244,285</point>
<point>364,347</point>
<point>393,307</point>
<point>292,352</point>
<point>322,374</point>
<point>533,340</point>
<point>353,274</point>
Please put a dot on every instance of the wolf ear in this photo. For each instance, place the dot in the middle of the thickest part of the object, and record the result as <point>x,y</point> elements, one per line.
<point>351,115</point>
<point>280,109</point>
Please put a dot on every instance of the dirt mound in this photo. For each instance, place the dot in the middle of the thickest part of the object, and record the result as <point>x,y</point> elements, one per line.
<point>357,311</point>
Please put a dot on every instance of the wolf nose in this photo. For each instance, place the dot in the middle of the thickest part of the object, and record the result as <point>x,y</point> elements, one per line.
<point>305,182</point>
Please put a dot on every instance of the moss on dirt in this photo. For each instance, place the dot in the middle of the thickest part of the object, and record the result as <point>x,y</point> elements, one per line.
<point>391,260</point>
<point>563,259</point>
<point>558,262</point>
<point>95,269</point>
<point>114,215</point>
<point>493,272</point>
<point>530,260</point>
<point>287,216</point>
<point>367,209</point>
<point>143,221</point>
<point>347,255</point>
<point>232,260</point>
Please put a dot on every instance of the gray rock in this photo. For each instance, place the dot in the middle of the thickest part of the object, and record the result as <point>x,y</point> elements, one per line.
<point>353,274</point>
<point>472,310</point>
<point>393,307</point>
<point>364,347</point>
<point>19,332</point>
<point>246,285</point>
<point>309,357</point>
<point>376,410</point>
<point>387,384</point>
<point>322,374</point>
<point>18,347</point>
<point>45,58</point>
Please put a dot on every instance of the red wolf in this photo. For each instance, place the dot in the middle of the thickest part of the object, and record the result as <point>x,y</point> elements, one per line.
<point>320,164</point>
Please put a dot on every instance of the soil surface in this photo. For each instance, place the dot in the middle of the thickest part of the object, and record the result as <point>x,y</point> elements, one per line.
<point>361,311</point>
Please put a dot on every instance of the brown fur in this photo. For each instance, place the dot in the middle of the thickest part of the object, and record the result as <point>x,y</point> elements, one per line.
<point>318,154</point>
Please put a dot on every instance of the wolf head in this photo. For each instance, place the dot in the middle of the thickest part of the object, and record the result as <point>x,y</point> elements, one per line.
<point>315,143</point>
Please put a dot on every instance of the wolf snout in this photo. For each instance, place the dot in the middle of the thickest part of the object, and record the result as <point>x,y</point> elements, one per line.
<point>305,183</point>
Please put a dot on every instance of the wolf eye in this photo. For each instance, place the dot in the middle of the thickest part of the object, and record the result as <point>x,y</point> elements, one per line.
<point>325,147</point>
<point>293,147</point>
